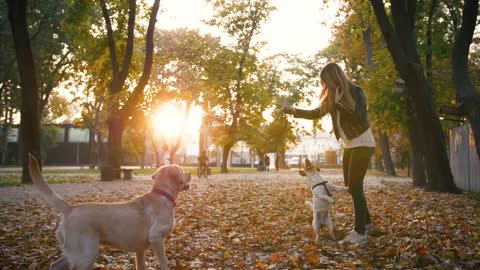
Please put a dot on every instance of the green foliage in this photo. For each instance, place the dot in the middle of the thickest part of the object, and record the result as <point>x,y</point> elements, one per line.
<point>387,109</point>
<point>58,109</point>
<point>49,47</point>
<point>236,96</point>
<point>241,19</point>
<point>133,144</point>
<point>289,80</point>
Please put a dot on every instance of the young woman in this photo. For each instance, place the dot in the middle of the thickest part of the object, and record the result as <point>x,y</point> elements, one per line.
<point>346,104</point>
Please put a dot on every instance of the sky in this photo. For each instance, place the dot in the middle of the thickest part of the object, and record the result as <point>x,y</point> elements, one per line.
<point>299,27</point>
<point>296,27</point>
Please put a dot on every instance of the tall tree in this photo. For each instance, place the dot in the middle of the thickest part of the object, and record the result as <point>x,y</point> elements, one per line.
<point>120,114</point>
<point>183,56</point>
<point>49,49</point>
<point>401,43</point>
<point>468,97</point>
<point>383,138</point>
<point>30,117</point>
<point>10,91</point>
<point>241,20</point>
<point>289,80</point>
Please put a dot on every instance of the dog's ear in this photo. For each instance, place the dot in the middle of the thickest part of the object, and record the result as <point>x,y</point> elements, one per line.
<point>156,173</point>
<point>176,173</point>
<point>302,173</point>
<point>318,168</point>
<point>172,171</point>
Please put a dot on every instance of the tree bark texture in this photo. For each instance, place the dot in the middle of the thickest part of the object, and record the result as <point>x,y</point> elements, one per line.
<point>30,118</point>
<point>92,147</point>
<point>387,158</point>
<point>401,43</point>
<point>115,132</point>
<point>225,153</point>
<point>428,55</point>
<point>417,149</point>
<point>467,95</point>
<point>378,164</point>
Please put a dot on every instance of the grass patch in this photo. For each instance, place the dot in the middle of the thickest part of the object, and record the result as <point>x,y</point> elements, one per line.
<point>193,170</point>
<point>61,176</point>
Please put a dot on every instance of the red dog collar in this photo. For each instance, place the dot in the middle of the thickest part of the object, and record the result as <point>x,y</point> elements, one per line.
<point>165,194</point>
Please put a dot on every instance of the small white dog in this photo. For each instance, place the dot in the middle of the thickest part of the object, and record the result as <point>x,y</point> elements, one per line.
<point>322,198</point>
<point>133,226</point>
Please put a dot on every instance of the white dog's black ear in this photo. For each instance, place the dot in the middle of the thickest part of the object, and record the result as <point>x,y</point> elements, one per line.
<point>302,173</point>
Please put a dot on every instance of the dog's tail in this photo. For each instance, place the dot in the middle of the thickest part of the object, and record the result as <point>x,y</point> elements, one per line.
<point>49,194</point>
<point>309,204</point>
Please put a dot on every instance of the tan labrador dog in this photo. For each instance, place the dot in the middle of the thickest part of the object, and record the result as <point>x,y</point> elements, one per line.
<point>133,226</point>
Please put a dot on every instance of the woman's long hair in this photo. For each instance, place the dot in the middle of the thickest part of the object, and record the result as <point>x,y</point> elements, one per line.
<point>334,79</point>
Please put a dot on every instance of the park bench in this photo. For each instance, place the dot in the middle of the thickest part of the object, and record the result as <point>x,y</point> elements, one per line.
<point>127,173</point>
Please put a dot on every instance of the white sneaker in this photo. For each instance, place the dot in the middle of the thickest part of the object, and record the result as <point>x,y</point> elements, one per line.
<point>349,234</point>
<point>356,238</point>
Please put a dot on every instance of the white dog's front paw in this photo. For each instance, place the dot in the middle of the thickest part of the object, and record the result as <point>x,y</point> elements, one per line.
<point>331,200</point>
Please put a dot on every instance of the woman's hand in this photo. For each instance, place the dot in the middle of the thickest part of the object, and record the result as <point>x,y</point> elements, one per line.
<point>288,110</point>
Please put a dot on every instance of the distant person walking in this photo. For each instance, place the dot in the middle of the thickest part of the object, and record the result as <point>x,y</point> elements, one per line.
<point>266,161</point>
<point>277,162</point>
<point>203,164</point>
<point>347,106</point>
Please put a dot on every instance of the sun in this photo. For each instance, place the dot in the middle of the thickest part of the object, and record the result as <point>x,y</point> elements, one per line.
<point>170,118</point>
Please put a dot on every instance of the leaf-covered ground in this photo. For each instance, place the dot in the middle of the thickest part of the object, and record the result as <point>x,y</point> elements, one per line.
<point>260,221</point>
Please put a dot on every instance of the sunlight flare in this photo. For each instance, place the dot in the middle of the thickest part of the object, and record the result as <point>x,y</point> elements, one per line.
<point>169,120</point>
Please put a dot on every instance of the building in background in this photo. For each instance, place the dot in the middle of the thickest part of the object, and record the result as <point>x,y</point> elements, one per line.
<point>69,146</point>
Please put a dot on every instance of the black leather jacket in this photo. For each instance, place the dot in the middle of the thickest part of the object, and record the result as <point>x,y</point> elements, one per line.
<point>353,123</point>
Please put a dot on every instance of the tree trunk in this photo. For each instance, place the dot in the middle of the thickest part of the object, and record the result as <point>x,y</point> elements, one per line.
<point>225,152</point>
<point>467,95</point>
<point>281,159</point>
<point>5,131</point>
<point>387,158</point>
<point>417,168</point>
<point>115,131</point>
<point>176,142</point>
<point>30,118</point>
<point>120,75</point>
<point>172,156</point>
<point>4,141</point>
<point>401,43</point>
<point>156,153</point>
<point>428,54</point>
<point>417,164</point>
<point>378,159</point>
<point>92,145</point>
<point>101,151</point>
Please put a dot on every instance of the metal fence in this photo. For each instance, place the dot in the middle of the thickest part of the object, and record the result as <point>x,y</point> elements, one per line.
<point>464,160</point>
